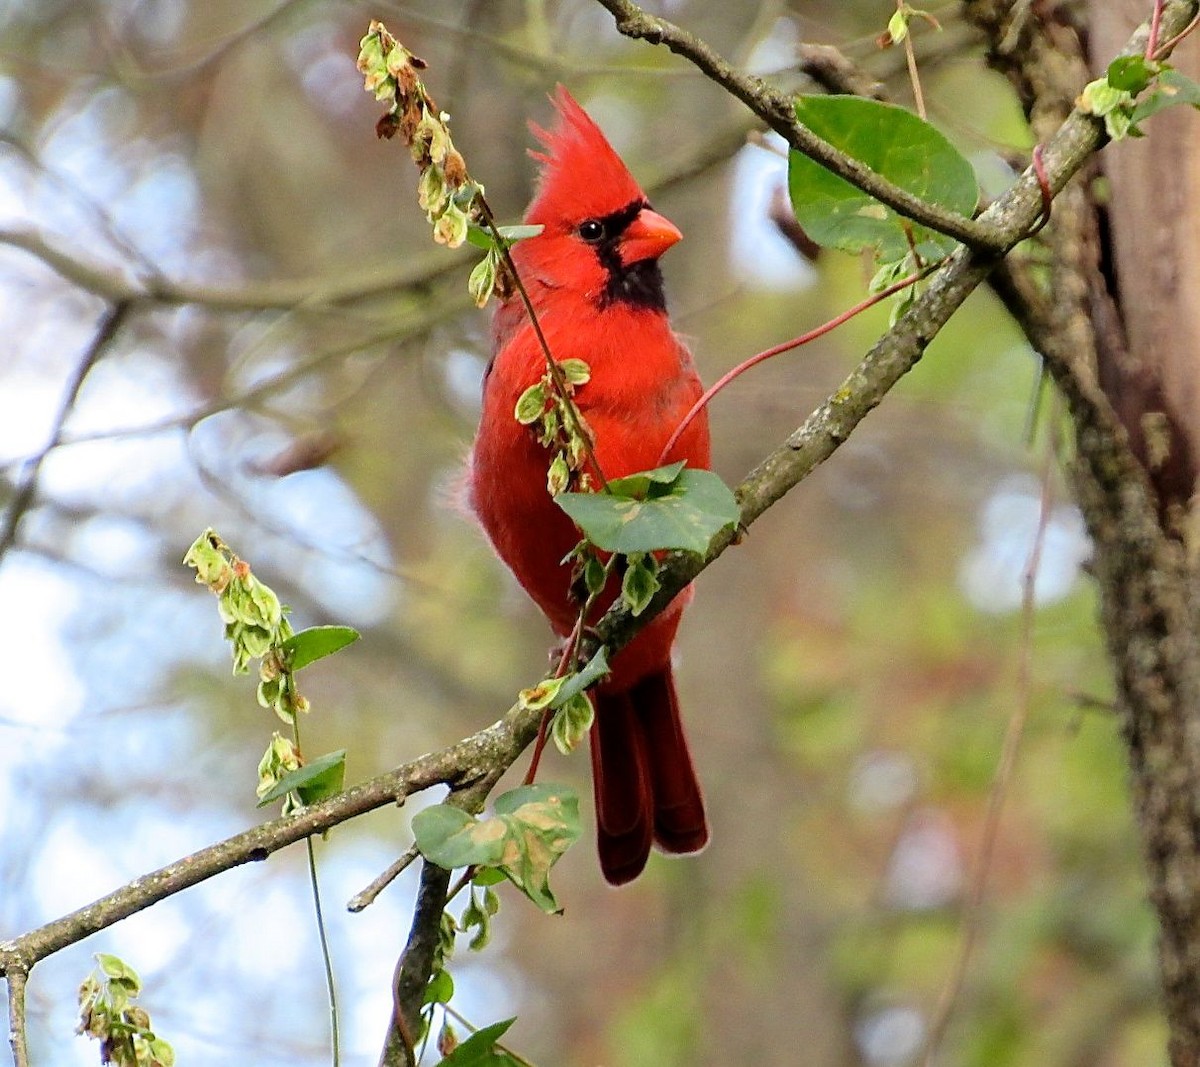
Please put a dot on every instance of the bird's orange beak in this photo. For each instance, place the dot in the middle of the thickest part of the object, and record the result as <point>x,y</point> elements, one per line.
<point>648,236</point>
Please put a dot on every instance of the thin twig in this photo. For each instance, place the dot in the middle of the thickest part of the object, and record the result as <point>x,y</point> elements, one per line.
<point>973,915</point>
<point>27,484</point>
<point>366,897</point>
<point>326,955</point>
<point>17,1037</point>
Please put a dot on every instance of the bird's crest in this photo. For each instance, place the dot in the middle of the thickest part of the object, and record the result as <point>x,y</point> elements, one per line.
<point>581,176</point>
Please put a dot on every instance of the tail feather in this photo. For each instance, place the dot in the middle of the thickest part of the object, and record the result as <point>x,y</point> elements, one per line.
<point>645,783</point>
<point>620,778</point>
<point>679,822</point>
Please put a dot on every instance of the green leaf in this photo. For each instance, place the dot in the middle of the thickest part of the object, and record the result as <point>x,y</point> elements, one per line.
<point>542,823</point>
<point>531,404</point>
<point>117,970</point>
<point>1171,88</point>
<point>316,643</point>
<point>313,782</point>
<point>488,876</point>
<point>480,1048</point>
<point>481,236</point>
<point>541,695</point>
<point>571,723</point>
<point>639,584</point>
<point>519,233</point>
<point>483,279</point>
<point>897,145</point>
<point>533,826</point>
<point>575,371</point>
<point>440,988</point>
<point>690,511</point>
<point>595,669</point>
<point>451,838</point>
<point>638,486</point>
<point>1131,73</point>
<point>558,475</point>
<point>898,26</point>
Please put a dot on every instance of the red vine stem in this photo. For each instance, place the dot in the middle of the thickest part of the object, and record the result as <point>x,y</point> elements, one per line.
<point>787,346</point>
<point>1166,47</point>
<point>1155,23</point>
<point>1043,180</point>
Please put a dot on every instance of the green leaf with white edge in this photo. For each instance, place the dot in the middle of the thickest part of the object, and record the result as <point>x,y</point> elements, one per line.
<point>690,511</point>
<point>571,723</point>
<point>1170,89</point>
<point>595,669</point>
<point>897,145</point>
<point>575,371</point>
<point>313,782</point>
<point>482,281</point>
<point>530,404</point>
<point>479,1050</point>
<point>541,695</point>
<point>639,584</point>
<point>316,643</point>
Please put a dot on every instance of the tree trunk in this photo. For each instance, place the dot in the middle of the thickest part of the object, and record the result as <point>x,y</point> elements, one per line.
<point>1145,324</point>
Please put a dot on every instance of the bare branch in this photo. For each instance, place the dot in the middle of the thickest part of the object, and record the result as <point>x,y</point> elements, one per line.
<point>26,488</point>
<point>17,1037</point>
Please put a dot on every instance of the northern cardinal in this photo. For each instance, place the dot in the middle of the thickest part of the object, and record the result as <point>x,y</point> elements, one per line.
<point>593,278</point>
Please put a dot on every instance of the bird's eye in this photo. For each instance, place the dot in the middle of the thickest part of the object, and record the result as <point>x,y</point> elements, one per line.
<point>591,229</point>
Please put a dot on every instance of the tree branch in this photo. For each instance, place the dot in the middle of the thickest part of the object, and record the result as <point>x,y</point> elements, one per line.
<point>775,109</point>
<point>26,487</point>
<point>414,967</point>
<point>478,760</point>
<point>17,1037</point>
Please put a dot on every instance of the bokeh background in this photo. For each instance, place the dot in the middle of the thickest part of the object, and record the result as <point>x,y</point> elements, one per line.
<point>304,377</point>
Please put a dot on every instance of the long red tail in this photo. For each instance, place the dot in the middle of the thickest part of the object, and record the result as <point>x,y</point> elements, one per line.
<point>645,783</point>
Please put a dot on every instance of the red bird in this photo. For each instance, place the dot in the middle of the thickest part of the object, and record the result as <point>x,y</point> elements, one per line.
<point>593,278</point>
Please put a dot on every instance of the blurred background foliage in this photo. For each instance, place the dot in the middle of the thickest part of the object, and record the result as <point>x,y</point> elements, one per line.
<point>306,381</point>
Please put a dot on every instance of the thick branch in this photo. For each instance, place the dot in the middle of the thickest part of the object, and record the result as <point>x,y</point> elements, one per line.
<point>775,109</point>
<point>414,967</point>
